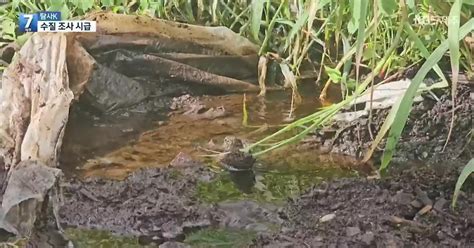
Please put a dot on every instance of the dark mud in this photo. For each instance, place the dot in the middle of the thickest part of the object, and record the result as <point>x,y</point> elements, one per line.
<point>408,209</point>
<point>423,137</point>
<point>158,205</point>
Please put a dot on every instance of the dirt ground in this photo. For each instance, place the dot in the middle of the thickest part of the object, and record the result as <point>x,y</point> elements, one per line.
<point>408,209</point>
<point>423,137</point>
<point>158,205</point>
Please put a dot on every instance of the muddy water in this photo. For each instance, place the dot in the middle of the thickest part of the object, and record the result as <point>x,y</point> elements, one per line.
<point>114,147</point>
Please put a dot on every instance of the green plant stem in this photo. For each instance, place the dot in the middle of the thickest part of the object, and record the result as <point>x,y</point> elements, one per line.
<point>404,111</point>
<point>268,32</point>
<point>322,117</point>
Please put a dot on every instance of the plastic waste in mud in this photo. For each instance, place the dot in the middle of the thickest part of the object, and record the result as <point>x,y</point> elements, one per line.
<point>22,201</point>
<point>383,96</point>
<point>33,115</point>
<point>129,60</point>
<point>133,58</point>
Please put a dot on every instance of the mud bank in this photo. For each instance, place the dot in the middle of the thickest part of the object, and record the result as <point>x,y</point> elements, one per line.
<point>158,205</point>
<point>409,209</point>
<point>423,136</point>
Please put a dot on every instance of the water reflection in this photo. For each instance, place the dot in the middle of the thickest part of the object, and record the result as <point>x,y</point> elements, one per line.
<point>243,180</point>
<point>267,184</point>
<point>103,147</point>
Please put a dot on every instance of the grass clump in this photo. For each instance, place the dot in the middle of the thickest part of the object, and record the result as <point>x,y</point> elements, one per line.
<point>99,238</point>
<point>221,238</point>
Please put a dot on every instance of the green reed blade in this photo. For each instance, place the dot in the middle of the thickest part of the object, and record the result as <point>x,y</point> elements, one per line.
<point>407,101</point>
<point>467,170</point>
<point>256,17</point>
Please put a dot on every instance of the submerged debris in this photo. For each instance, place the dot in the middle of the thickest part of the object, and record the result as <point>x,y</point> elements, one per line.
<point>27,190</point>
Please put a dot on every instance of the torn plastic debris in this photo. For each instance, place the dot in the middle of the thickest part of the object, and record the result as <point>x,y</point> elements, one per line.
<point>384,96</point>
<point>33,114</point>
<point>35,102</point>
<point>133,58</point>
<point>23,199</point>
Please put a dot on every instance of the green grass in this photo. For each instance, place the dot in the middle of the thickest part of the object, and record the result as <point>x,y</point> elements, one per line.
<point>398,116</point>
<point>84,238</point>
<point>272,187</point>
<point>465,173</point>
<point>403,111</point>
<point>221,238</point>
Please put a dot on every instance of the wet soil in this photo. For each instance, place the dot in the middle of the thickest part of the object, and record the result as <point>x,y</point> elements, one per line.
<point>410,208</point>
<point>423,137</point>
<point>173,202</point>
<point>158,205</point>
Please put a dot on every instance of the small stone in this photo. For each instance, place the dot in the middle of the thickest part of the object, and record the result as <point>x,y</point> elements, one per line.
<point>147,240</point>
<point>368,238</point>
<point>327,217</point>
<point>352,231</point>
<point>336,206</point>
<point>172,231</point>
<point>190,226</point>
<point>424,154</point>
<point>439,204</point>
<point>318,238</point>
<point>257,227</point>
<point>416,204</point>
<point>403,198</point>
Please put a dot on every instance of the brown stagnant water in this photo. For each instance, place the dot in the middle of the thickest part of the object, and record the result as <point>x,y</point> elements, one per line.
<point>98,147</point>
<point>114,148</point>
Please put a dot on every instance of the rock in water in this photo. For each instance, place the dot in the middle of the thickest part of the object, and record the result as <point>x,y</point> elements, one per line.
<point>233,158</point>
